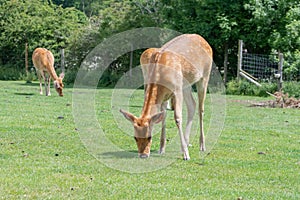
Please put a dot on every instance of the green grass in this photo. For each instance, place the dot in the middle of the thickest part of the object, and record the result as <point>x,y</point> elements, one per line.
<point>43,157</point>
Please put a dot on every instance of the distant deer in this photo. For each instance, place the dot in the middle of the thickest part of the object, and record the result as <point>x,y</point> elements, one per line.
<point>171,71</point>
<point>43,61</point>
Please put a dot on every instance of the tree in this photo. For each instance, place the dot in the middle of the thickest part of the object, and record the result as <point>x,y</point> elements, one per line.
<point>275,28</point>
<point>37,23</point>
<point>287,40</point>
<point>217,21</point>
<point>79,25</point>
<point>116,17</point>
<point>88,7</point>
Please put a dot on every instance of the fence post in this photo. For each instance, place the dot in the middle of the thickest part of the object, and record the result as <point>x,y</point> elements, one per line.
<point>240,58</point>
<point>225,62</point>
<point>62,59</point>
<point>280,67</point>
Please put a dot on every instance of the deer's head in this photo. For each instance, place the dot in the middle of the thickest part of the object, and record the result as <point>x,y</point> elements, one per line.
<point>58,84</point>
<point>143,127</point>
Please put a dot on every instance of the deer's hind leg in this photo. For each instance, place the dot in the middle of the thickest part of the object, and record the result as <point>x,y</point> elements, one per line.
<point>163,130</point>
<point>40,75</point>
<point>191,106</point>
<point>201,90</point>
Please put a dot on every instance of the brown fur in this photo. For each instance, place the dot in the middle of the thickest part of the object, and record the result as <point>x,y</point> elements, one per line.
<point>170,71</point>
<point>43,61</point>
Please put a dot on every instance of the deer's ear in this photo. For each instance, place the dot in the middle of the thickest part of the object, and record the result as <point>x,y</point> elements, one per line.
<point>130,117</point>
<point>157,117</point>
<point>62,75</point>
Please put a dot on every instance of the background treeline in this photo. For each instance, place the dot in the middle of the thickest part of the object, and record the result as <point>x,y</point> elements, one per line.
<point>266,26</point>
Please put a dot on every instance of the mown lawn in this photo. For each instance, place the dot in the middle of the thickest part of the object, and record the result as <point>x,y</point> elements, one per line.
<point>42,155</point>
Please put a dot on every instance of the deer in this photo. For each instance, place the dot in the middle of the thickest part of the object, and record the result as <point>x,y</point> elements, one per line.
<point>170,71</point>
<point>43,61</point>
<point>144,60</point>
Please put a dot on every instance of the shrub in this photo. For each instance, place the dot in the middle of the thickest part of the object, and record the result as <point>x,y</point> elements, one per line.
<point>266,87</point>
<point>244,87</point>
<point>70,76</point>
<point>232,87</point>
<point>28,77</point>
<point>10,73</point>
<point>292,88</point>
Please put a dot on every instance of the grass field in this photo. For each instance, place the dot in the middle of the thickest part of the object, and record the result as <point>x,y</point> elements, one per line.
<point>43,157</point>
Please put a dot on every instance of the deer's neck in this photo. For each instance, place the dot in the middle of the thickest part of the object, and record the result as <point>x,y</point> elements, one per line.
<point>52,73</point>
<point>152,102</point>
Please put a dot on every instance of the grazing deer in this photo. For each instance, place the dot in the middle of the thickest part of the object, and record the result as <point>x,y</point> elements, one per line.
<point>145,60</point>
<point>43,61</point>
<point>172,70</point>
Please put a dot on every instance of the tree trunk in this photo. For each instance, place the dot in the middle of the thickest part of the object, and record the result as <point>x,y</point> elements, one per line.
<point>83,7</point>
<point>131,59</point>
<point>26,58</point>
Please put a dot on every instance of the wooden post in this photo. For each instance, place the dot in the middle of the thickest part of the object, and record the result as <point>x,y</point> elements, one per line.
<point>280,67</point>
<point>225,62</point>
<point>240,59</point>
<point>62,59</point>
<point>26,58</point>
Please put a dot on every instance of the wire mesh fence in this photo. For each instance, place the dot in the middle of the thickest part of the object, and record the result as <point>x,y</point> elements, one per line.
<point>260,66</point>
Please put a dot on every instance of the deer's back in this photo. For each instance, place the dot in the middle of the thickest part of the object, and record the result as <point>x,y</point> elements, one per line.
<point>186,58</point>
<point>42,59</point>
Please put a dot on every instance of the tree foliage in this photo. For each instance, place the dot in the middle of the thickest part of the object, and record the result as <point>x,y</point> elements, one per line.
<point>79,25</point>
<point>38,23</point>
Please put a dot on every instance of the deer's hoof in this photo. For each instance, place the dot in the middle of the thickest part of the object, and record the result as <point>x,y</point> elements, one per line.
<point>161,151</point>
<point>186,156</point>
<point>202,148</point>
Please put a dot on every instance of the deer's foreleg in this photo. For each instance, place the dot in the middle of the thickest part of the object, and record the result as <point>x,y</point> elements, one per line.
<point>178,120</point>
<point>48,85</point>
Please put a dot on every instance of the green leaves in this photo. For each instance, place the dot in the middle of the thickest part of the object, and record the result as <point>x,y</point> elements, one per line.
<point>39,24</point>
<point>79,25</point>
